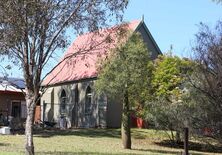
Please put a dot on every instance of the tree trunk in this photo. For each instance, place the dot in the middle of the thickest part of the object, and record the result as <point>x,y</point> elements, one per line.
<point>30,103</point>
<point>178,138</point>
<point>125,127</point>
<point>172,135</point>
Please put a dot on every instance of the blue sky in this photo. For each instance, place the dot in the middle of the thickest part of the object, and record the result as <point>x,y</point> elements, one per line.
<point>171,22</point>
<point>174,21</point>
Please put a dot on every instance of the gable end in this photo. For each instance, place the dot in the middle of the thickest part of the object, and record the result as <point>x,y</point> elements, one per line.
<point>148,39</point>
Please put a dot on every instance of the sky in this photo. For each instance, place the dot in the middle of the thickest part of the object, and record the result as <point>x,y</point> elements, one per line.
<point>171,22</point>
<point>174,22</point>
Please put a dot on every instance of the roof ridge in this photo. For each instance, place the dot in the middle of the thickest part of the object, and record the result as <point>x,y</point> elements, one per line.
<point>111,27</point>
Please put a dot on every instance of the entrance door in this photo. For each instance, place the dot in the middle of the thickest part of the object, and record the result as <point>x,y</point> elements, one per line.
<point>16,109</point>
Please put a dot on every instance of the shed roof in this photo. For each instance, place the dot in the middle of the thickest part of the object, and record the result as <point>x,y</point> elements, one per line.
<point>11,84</point>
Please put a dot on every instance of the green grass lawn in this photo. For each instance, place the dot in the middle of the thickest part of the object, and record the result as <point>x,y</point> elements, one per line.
<point>96,141</point>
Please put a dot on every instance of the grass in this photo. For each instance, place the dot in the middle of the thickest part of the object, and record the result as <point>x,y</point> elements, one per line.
<point>96,141</point>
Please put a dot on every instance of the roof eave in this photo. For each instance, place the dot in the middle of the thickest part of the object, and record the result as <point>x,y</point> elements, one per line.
<point>71,81</point>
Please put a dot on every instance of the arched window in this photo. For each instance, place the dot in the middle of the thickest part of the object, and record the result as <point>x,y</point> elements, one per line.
<point>63,100</point>
<point>88,100</point>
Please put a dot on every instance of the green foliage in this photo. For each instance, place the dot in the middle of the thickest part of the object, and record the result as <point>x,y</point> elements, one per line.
<point>166,107</point>
<point>125,75</point>
<point>126,68</point>
<point>169,75</point>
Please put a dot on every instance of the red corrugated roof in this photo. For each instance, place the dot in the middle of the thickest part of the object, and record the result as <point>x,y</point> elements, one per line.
<point>79,61</point>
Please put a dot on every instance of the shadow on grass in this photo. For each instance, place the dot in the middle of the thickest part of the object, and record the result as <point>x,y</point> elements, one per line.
<point>158,151</point>
<point>113,133</point>
<point>194,146</point>
<point>99,153</point>
<point>149,151</point>
<point>165,152</point>
<point>79,153</point>
<point>4,144</point>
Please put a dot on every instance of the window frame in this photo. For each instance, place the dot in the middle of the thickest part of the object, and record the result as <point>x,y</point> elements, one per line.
<point>63,98</point>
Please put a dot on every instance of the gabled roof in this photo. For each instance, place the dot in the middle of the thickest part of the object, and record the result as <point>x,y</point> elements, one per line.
<point>81,58</point>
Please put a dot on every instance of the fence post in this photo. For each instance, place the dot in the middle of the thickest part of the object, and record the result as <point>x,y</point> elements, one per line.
<point>186,141</point>
<point>43,115</point>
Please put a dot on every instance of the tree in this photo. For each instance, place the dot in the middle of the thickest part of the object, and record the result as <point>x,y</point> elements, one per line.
<point>166,106</point>
<point>169,75</point>
<point>217,1</point>
<point>207,53</point>
<point>32,30</point>
<point>124,75</point>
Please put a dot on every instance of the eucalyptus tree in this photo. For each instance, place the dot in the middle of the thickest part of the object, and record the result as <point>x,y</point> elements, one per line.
<point>207,53</point>
<point>217,1</point>
<point>32,30</point>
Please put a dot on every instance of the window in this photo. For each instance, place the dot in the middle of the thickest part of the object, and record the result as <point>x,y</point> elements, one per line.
<point>63,100</point>
<point>16,109</point>
<point>88,98</point>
